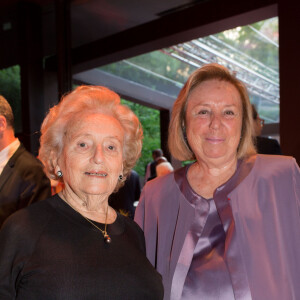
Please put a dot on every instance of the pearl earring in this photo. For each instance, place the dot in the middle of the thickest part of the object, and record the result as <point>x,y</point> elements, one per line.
<point>59,174</point>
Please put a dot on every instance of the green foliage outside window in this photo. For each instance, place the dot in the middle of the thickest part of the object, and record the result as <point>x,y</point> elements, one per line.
<point>149,119</point>
<point>10,89</point>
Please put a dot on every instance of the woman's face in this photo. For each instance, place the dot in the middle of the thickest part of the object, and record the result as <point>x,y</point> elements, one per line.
<point>91,161</point>
<point>214,121</point>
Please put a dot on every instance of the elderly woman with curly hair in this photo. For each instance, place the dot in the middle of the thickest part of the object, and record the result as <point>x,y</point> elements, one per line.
<point>226,226</point>
<point>74,245</point>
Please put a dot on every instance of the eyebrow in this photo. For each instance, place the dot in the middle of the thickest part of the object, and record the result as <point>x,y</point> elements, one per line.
<point>114,137</point>
<point>208,105</point>
<point>91,135</point>
<point>230,105</point>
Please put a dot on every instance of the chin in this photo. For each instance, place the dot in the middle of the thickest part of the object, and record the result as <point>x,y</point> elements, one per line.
<point>214,154</point>
<point>95,190</point>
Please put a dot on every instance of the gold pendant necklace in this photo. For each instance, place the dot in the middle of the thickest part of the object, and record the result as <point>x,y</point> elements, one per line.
<point>107,238</point>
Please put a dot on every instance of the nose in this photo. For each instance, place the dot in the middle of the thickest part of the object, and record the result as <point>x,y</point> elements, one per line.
<point>215,121</point>
<point>98,155</point>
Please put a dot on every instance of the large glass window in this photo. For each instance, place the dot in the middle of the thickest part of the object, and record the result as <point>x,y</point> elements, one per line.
<point>155,78</point>
<point>251,52</point>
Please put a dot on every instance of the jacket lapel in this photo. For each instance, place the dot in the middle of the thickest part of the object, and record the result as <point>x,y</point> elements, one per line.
<point>232,254</point>
<point>8,169</point>
<point>184,219</point>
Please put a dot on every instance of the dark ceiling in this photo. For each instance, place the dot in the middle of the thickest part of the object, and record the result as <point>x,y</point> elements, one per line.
<point>104,31</point>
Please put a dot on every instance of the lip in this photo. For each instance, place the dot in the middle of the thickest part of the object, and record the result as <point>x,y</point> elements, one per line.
<point>93,173</point>
<point>215,140</point>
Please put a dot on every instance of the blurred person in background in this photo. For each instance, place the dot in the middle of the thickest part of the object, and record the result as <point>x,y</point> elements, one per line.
<point>163,167</point>
<point>151,166</point>
<point>263,145</point>
<point>127,197</point>
<point>22,179</point>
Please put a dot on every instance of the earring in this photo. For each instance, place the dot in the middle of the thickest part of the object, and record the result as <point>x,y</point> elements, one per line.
<point>59,174</point>
<point>120,177</point>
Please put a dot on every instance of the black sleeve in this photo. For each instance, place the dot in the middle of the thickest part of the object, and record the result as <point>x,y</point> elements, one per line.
<point>19,235</point>
<point>277,149</point>
<point>10,258</point>
<point>36,187</point>
<point>137,185</point>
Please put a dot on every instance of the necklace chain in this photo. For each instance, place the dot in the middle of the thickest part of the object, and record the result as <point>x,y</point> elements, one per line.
<point>107,238</point>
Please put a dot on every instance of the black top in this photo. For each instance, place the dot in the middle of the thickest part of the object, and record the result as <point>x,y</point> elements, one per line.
<point>49,251</point>
<point>125,197</point>
<point>267,146</point>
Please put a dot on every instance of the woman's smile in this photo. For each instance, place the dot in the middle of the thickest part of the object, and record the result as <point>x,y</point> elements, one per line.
<point>96,174</point>
<point>215,140</point>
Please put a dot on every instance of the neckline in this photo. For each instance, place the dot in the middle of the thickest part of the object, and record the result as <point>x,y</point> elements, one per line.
<point>115,228</point>
<point>189,193</point>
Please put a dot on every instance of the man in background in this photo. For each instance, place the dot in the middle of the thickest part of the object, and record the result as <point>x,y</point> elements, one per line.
<point>263,145</point>
<point>22,179</point>
<point>163,167</point>
<point>151,166</point>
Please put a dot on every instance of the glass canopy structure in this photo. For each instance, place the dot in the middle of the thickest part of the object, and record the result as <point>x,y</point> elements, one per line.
<point>250,52</point>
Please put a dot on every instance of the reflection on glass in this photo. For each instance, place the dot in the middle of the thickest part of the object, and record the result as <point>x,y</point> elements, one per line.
<point>251,52</point>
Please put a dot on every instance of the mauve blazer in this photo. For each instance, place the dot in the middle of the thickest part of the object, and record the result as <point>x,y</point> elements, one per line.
<point>262,247</point>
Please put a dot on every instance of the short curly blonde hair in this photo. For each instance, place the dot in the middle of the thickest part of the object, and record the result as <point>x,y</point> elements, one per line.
<point>178,143</point>
<point>84,100</point>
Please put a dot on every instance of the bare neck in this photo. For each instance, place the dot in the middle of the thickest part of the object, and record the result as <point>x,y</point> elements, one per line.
<point>204,178</point>
<point>6,138</point>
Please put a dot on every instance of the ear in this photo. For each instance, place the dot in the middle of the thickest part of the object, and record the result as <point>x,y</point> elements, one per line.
<point>53,159</point>
<point>122,168</point>
<point>3,123</point>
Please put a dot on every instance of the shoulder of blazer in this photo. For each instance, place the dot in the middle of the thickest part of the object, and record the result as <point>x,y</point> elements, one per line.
<point>24,159</point>
<point>16,155</point>
<point>274,161</point>
<point>165,179</point>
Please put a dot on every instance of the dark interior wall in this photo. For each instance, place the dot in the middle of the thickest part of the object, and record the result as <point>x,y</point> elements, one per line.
<point>31,63</point>
<point>164,124</point>
<point>289,64</point>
